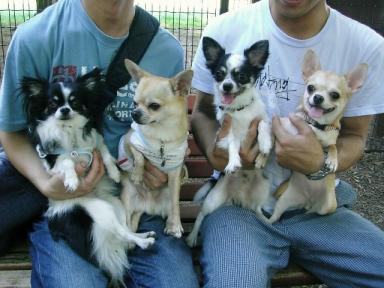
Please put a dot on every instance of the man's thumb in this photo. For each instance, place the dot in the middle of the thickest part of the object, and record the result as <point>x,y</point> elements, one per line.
<point>299,123</point>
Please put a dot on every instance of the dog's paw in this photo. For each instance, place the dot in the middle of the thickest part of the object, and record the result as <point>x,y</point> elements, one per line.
<point>146,234</point>
<point>114,173</point>
<point>331,164</point>
<point>174,229</point>
<point>271,220</point>
<point>232,167</point>
<point>191,240</point>
<point>71,183</point>
<point>265,145</point>
<point>261,160</point>
<point>145,243</point>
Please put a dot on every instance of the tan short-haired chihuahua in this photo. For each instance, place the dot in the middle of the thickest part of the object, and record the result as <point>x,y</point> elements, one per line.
<point>159,134</point>
<point>322,107</point>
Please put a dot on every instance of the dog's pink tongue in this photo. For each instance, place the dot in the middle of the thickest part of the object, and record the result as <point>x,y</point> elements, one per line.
<point>315,112</point>
<point>227,99</point>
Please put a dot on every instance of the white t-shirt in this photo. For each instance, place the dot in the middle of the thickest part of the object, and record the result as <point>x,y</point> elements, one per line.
<point>341,45</point>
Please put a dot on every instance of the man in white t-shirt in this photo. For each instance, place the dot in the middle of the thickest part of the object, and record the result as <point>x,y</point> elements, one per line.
<point>342,249</point>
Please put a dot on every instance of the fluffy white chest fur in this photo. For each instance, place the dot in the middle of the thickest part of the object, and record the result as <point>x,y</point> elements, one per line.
<point>252,107</point>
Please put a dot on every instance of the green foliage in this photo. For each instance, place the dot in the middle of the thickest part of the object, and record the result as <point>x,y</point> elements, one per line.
<point>182,20</point>
<point>11,18</point>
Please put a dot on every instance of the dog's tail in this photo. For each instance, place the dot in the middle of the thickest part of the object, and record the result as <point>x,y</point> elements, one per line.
<point>202,193</point>
<point>111,254</point>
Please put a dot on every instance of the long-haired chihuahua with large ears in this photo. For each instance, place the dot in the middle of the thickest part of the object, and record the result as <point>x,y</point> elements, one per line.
<point>64,123</point>
<point>235,94</point>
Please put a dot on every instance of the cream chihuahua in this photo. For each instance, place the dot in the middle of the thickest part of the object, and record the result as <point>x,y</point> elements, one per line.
<point>159,134</point>
<point>322,107</point>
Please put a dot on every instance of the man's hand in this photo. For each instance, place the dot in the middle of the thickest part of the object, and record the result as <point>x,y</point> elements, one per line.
<point>153,177</point>
<point>55,189</point>
<point>218,157</point>
<point>301,152</point>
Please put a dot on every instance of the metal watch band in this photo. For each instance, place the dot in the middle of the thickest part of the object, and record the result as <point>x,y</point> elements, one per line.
<point>324,171</point>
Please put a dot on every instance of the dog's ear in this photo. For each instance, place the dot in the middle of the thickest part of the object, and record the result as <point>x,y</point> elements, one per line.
<point>310,65</point>
<point>182,82</point>
<point>356,77</point>
<point>212,52</point>
<point>32,87</point>
<point>257,54</point>
<point>90,79</point>
<point>34,91</point>
<point>134,70</point>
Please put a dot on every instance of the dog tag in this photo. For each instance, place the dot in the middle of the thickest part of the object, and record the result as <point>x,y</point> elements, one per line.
<point>74,154</point>
<point>40,152</point>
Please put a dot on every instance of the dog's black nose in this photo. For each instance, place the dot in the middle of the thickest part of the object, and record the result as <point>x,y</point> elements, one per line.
<point>65,111</point>
<point>136,114</point>
<point>318,99</point>
<point>227,87</point>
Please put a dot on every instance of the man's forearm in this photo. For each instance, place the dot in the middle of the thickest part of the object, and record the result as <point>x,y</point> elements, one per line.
<point>351,141</point>
<point>203,121</point>
<point>23,157</point>
<point>349,151</point>
<point>204,130</point>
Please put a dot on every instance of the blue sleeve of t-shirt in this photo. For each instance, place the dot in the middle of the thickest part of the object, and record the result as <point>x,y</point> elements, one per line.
<point>26,57</point>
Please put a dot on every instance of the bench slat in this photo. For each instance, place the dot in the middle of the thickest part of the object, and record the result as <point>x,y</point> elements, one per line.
<point>15,279</point>
<point>15,261</point>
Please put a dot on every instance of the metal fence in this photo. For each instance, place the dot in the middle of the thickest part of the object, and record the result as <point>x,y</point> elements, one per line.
<point>185,19</point>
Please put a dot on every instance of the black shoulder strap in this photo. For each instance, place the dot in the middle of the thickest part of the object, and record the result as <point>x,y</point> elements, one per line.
<point>143,28</point>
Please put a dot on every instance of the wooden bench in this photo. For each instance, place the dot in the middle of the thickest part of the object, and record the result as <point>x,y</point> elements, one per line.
<point>15,266</point>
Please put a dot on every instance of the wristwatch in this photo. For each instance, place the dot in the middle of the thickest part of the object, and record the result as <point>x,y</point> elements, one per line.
<point>324,171</point>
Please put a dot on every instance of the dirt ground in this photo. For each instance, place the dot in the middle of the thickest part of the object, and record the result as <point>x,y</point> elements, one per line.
<point>368,179</point>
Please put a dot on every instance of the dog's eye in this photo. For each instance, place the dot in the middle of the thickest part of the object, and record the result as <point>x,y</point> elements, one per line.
<point>311,89</point>
<point>334,95</point>
<point>219,75</point>
<point>242,78</point>
<point>134,104</point>
<point>75,104</point>
<point>52,105</point>
<point>154,106</point>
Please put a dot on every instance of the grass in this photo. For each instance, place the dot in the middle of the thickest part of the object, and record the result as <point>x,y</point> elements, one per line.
<point>14,17</point>
<point>182,20</point>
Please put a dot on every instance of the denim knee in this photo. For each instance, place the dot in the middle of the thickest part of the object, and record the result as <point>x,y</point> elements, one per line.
<point>167,264</point>
<point>54,264</point>
<point>239,250</point>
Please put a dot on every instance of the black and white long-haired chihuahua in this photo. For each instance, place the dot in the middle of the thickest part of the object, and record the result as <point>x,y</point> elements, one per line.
<point>235,94</point>
<point>65,123</point>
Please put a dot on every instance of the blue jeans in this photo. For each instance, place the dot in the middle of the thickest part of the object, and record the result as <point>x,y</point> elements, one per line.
<point>167,264</point>
<point>20,201</point>
<point>342,249</point>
